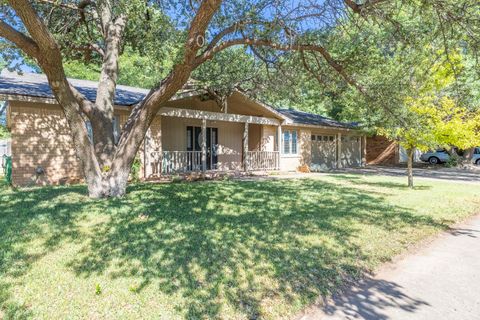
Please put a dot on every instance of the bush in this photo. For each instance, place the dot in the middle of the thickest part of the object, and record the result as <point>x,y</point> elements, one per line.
<point>452,162</point>
<point>135,172</point>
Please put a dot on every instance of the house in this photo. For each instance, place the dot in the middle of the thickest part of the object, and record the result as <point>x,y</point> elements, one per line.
<point>190,133</point>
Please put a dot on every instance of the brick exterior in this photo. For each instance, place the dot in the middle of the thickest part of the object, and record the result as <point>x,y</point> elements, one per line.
<point>41,139</point>
<point>380,150</point>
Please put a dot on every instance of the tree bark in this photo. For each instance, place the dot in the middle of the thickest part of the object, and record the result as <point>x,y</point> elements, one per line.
<point>410,153</point>
<point>94,158</point>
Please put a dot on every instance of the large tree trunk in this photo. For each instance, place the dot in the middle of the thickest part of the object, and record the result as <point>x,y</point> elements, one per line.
<point>106,167</point>
<point>410,153</point>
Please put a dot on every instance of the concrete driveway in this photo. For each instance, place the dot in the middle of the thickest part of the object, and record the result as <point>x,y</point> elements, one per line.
<point>440,281</point>
<point>439,172</point>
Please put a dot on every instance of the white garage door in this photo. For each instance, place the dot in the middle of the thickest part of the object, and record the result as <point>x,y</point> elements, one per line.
<point>351,155</point>
<point>324,150</point>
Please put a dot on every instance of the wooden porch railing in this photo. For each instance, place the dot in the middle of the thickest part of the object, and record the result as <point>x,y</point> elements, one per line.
<point>263,160</point>
<point>171,162</point>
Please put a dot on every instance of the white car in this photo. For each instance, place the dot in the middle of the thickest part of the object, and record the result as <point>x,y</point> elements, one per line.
<point>476,156</point>
<point>435,157</point>
<point>442,156</point>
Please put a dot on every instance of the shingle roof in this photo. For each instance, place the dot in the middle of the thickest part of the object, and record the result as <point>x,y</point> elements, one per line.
<point>300,117</point>
<point>36,85</point>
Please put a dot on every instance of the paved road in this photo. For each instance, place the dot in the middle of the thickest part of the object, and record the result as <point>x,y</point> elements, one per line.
<point>442,173</point>
<point>441,281</point>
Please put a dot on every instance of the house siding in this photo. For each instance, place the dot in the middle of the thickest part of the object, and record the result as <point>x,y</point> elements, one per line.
<point>290,162</point>
<point>173,137</point>
<point>41,138</point>
<point>268,134</point>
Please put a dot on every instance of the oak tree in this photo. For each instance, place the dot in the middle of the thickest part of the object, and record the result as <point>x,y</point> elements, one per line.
<point>52,32</point>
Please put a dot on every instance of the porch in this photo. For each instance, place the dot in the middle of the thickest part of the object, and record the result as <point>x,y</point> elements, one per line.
<point>186,140</point>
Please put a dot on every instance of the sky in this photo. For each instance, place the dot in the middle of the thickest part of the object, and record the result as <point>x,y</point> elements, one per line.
<point>181,17</point>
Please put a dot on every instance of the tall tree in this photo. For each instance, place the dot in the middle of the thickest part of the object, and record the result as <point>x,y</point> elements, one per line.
<point>51,32</point>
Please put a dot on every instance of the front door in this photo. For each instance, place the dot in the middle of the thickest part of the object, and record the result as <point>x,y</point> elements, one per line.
<point>194,143</point>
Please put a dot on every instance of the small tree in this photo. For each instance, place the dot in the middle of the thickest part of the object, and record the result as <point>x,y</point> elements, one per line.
<point>434,122</point>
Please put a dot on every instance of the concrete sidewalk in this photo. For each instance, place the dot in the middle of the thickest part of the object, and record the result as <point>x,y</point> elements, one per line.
<point>440,281</point>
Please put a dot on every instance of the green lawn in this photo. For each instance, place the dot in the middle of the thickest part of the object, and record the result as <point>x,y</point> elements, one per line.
<point>230,250</point>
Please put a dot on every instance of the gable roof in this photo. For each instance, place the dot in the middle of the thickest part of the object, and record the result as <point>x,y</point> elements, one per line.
<point>36,85</point>
<point>29,85</point>
<point>305,118</point>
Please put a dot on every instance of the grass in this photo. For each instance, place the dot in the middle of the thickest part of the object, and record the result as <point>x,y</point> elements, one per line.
<point>230,249</point>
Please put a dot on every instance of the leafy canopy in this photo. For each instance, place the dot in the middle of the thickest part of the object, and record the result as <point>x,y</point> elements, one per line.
<point>432,117</point>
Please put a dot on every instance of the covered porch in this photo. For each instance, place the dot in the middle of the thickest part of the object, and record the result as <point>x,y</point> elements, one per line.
<point>186,140</point>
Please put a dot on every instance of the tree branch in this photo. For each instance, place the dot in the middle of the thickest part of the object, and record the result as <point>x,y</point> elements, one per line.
<point>358,8</point>
<point>60,4</point>
<point>21,40</point>
<point>281,47</point>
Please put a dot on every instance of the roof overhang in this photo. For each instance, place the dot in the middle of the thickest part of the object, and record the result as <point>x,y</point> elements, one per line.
<point>313,126</point>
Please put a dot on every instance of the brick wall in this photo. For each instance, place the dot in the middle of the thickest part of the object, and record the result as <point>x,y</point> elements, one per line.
<point>380,150</point>
<point>41,138</point>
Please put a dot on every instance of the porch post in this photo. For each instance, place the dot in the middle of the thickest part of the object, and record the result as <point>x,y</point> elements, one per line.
<point>339,150</point>
<point>245,147</point>
<point>279,145</point>
<point>204,145</point>
<point>364,151</point>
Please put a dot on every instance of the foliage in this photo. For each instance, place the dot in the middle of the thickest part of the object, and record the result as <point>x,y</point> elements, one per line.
<point>452,161</point>
<point>436,123</point>
<point>234,249</point>
<point>135,171</point>
<point>162,43</point>
<point>136,70</point>
<point>432,118</point>
<point>4,132</point>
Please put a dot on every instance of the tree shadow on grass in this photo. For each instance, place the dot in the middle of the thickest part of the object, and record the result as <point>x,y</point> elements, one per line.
<point>249,245</point>
<point>241,243</point>
<point>23,217</point>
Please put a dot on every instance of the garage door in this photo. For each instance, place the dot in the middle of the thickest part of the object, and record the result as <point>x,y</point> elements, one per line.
<point>324,150</point>
<point>351,154</point>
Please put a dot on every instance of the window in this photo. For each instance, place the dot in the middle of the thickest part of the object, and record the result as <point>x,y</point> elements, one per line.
<point>331,138</point>
<point>88,124</point>
<point>477,150</point>
<point>286,142</point>
<point>116,129</point>
<point>290,142</point>
<point>313,137</point>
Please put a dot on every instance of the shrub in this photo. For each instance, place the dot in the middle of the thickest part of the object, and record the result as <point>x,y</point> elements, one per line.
<point>452,162</point>
<point>135,172</point>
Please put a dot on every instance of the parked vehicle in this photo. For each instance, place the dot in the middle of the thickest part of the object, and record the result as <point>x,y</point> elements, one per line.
<point>476,156</point>
<point>442,156</point>
<point>435,157</point>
